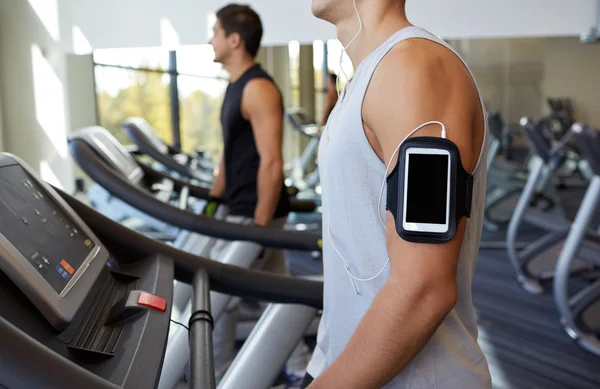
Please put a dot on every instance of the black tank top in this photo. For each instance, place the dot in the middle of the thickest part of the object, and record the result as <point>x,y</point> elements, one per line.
<point>240,153</point>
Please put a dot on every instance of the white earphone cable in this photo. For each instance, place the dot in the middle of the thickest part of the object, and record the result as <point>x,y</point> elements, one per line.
<point>360,26</point>
<point>346,266</point>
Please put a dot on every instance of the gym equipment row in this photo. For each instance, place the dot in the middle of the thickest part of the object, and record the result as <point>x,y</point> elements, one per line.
<point>565,256</point>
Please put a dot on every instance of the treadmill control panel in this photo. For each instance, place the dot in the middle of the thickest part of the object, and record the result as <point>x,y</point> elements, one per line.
<point>38,228</point>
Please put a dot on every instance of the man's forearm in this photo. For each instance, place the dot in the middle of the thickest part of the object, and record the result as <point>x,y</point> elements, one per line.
<point>270,180</point>
<point>394,330</point>
<point>218,188</point>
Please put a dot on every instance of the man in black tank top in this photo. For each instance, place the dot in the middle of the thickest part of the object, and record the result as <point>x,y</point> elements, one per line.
<point>250,179</point>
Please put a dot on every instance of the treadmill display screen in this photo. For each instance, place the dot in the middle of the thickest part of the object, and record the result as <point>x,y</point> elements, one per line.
<point>36,226</point>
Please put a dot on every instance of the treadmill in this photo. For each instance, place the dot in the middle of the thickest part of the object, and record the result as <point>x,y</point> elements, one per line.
<point>86,301</point>
<point>196,167</point>
<point>165,198</point>
<point>183,167</point>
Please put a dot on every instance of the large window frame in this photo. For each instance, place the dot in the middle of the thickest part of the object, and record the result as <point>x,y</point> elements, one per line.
<point>173,86</point>
<point>174,95</point>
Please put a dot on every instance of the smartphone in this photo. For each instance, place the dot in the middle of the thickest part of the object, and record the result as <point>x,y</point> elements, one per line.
<point>427,190</point>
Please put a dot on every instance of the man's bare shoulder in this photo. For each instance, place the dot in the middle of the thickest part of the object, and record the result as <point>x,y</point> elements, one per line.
<point>261,87</point>
<point>420,81</point>
<point>417,66</point>
<point>260,94</point>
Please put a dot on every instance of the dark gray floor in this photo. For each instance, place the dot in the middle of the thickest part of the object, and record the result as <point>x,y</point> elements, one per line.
<point>521,334</point>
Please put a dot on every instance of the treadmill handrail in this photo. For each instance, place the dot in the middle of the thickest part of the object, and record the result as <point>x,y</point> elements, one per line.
<point>296,205</point>
<point>588,142</point>
<point>229,279</point>
<point>136,135</point>
<point>195,190</point>
<point>146,147</point>
<point>105,176</point>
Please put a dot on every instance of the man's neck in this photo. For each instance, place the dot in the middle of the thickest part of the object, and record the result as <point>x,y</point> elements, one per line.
<point>378,24</point>
<point>236,67</point>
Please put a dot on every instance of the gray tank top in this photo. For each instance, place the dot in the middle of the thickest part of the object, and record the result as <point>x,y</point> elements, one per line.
<point>351,177</point>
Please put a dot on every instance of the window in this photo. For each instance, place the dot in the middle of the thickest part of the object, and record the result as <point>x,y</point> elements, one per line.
<point>180,93</point>
<point>320,70</point>
<point>149,82</point>
<point>124,93</point>
<point>200,106</point>
<point>133,82</point>
<point>155,58</point>
<point>201,84</point>
<point>198,61</point>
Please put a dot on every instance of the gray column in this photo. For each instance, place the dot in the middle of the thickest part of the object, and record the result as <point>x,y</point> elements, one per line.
<point>81,98</point>
<point>307,92</point>
<point>279,66</point>
<point>276,61</point>
<point>307,79</point>
<point>1,124</point>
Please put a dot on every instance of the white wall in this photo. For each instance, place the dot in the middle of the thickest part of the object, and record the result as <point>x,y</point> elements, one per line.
<point>503,18</point>
<point>33,89</point>
<point>1,120</point>
<point>81,99</point>
<point>138,23</point>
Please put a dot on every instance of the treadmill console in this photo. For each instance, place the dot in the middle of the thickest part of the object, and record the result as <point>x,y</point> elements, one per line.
<point>112,152</point>
<point>44,247</point>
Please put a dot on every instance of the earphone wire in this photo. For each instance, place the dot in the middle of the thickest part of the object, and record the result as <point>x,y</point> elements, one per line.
<point>337,80</point>
<point>360,27</point>
<point>346,266</point>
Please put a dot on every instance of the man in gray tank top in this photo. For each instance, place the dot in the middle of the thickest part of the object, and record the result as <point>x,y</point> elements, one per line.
<point>408,322</point>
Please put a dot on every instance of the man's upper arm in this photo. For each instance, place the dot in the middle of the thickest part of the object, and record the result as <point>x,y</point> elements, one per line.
<point>415,84</point>
<point>261,105</point>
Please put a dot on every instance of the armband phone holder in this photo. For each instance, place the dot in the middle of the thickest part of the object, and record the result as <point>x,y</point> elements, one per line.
<point>428,191</point>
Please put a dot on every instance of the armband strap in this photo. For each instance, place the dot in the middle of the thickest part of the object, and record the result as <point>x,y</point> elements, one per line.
<point>461,190</point>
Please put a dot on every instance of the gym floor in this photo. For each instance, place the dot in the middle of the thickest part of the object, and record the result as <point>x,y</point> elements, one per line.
<point>521,334</point>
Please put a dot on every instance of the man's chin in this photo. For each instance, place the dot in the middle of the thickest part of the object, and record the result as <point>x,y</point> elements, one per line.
<point>320,10</point>
<point>317,8</point>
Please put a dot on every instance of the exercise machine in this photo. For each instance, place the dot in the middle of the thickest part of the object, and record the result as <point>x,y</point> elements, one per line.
<point>167,198</point>
<point>581,243</point>
<point>535,264</point>
<point>556,125</point>
<point>149,144</point>
<point>505,180</point>
<point>197,167</point>
<point>86,301</point>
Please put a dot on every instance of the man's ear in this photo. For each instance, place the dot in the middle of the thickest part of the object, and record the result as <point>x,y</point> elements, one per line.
<point>235,40</point>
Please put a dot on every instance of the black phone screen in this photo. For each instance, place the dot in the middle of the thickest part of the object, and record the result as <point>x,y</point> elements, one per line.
<point>427,189</point>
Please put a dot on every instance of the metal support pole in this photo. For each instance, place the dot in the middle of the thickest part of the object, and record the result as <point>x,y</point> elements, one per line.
<point>202,370</point>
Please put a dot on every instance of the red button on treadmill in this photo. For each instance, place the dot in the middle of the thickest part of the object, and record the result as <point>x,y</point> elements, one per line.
<point>152,301</point>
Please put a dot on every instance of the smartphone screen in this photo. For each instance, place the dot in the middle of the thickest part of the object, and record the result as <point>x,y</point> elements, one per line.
<point>427,189</point>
